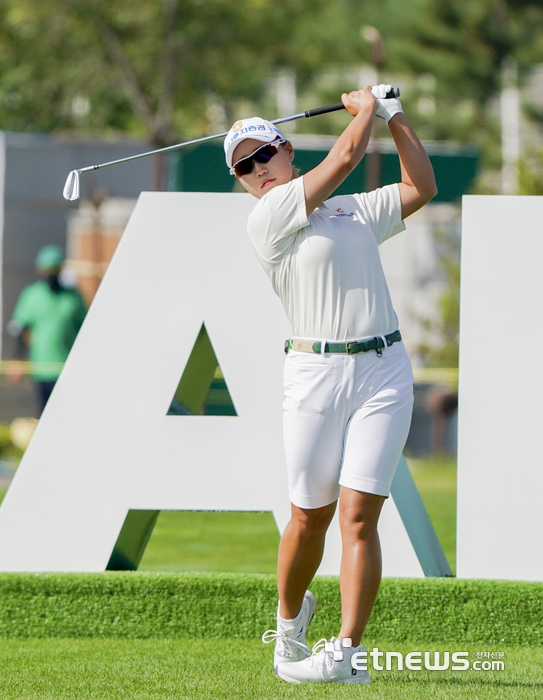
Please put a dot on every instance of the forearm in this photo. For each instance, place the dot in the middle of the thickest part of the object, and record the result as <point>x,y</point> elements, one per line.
<point>19,346</point>
<point>16,367</point>
<point>418,184</point>
<point>353,142</point>
<point>415,165</point>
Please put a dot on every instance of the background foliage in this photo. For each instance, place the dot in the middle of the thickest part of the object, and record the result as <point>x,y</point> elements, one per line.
<point>169,68</point>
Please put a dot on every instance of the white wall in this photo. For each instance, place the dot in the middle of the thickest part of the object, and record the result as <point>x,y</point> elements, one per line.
<point>500,459</point>
<point>105,445</point>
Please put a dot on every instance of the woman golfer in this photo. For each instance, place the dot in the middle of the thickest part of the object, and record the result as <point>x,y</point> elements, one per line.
<point>348,384</point>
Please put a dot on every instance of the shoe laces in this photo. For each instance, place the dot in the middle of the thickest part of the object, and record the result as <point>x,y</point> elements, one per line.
<point>285,643</point>
<point>323,653</point>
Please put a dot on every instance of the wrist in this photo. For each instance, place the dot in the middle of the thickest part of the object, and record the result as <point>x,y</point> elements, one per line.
<point>394,118</point>
<point>367,111</point>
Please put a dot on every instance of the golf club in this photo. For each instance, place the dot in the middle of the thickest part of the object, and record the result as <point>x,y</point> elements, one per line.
<point>72,187</point>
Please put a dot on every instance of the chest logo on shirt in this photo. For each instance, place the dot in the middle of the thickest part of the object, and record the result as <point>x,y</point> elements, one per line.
<point>339,213</point>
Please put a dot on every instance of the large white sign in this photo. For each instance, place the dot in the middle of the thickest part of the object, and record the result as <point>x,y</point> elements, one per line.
<point>106,454</point>
<point>500,462</point>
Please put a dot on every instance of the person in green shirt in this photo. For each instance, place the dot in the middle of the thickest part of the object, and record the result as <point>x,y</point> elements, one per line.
<point>46,319</point>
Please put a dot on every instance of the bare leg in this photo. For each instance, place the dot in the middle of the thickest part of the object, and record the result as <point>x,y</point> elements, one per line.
<point>360,574</point>
<point>300,554</point>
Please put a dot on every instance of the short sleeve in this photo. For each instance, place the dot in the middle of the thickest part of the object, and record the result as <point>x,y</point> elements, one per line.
<point>275,220</point>
<point>383,209</point>
<point>23,315</point>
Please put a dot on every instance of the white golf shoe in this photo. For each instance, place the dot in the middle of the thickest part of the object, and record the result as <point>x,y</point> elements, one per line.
<point>330,662</point>
<point>289,640</point>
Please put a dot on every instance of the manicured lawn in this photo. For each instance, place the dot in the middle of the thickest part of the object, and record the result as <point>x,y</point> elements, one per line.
<point>209,541</point>
<point>75,669</point>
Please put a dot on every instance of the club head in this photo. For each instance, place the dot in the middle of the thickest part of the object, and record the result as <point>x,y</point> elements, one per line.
<point>71,188</point>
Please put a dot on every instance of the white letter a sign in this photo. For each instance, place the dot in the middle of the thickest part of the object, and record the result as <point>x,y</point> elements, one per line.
<point>171,399</point>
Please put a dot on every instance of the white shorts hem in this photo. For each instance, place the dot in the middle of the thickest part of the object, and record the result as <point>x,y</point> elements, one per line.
<point>310,502</point>
<point>360,483</point>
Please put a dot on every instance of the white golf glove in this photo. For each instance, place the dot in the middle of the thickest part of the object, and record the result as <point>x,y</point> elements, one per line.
<point>386,107</point>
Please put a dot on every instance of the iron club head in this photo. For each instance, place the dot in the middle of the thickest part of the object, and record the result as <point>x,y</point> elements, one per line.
<point>71,188</point>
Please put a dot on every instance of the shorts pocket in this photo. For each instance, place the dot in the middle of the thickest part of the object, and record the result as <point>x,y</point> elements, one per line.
<point>308,386</point>
<point>394,370</point>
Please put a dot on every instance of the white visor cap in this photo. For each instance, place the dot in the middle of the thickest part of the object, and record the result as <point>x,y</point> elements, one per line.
<point>253,128</point>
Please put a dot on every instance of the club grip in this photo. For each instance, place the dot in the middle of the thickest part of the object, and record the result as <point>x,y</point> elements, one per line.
<point>323,110</point>
<point>393,92</point>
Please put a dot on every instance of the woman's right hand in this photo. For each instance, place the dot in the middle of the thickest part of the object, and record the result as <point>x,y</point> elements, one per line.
<point>355,101</point>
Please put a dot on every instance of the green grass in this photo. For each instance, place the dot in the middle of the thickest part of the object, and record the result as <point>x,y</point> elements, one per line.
<point>147,635</point>
<point>145,605</point>
<point>208,541</point>
<point>106,668</point>
<point>247,542</point>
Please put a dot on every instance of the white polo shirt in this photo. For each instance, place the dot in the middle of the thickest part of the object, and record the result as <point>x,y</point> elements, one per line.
<point>326,268</point>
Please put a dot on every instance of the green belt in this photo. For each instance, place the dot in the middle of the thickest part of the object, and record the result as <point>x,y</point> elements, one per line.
<point>351,348</point>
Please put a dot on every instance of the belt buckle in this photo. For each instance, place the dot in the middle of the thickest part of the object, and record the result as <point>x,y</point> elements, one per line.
<point>348,350</point>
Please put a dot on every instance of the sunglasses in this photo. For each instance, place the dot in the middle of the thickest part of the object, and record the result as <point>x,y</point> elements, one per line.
<point>262,155</point>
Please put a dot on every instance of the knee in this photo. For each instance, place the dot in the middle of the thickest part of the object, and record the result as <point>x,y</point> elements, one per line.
<point>358,529</point>
<point>359,514</point>
<point>314,521</point>
<point>358,525</point>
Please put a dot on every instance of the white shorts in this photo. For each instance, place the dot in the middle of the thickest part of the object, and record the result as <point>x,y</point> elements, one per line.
<point>345,421</point>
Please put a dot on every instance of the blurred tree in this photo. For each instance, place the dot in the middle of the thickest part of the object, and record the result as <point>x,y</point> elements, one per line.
<point>530,173</point>
<point>170,68</point>
<point>442,349</point>
<point>153,67</point>
<point>147,67</point>
<point>457,49</point>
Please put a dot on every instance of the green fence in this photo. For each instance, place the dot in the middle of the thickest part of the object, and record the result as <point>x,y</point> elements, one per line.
<point>202,168</point>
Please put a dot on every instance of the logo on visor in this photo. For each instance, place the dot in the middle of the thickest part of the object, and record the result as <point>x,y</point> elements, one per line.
<point>237,126</point>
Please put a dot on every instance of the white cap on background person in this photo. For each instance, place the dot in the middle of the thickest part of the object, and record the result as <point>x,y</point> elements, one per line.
<point>252,128</point>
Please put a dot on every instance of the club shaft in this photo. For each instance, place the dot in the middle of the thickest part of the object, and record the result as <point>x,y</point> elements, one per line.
<point>152,153</point>
<point>167,149</point>
<point>309,113</point>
